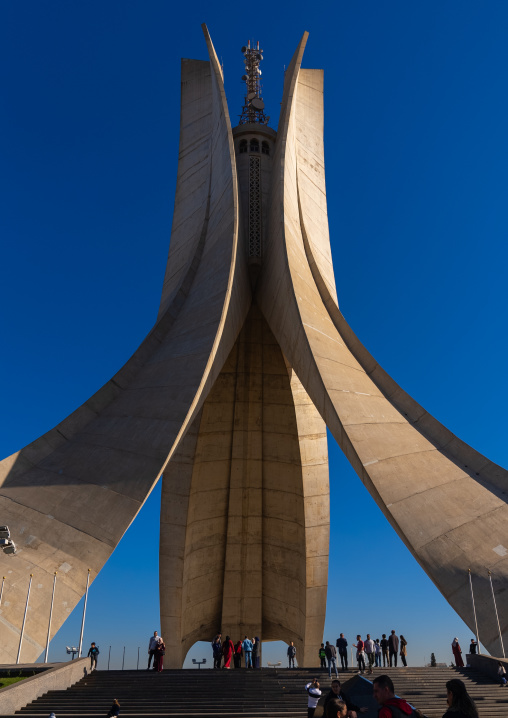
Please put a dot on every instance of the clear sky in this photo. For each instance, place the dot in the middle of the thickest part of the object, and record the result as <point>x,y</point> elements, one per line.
<point>416,149</point>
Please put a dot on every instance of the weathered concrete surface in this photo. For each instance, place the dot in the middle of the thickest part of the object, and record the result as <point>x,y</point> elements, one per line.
<point>69,496</point>
<point>445,500</point>
<point>18,695</point>
<point>488,665</point>
<point>245,509</point>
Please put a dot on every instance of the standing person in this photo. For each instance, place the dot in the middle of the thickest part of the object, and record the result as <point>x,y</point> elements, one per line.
<point>384,650</point>
<point>384,692</point>
<point>457,653</point>
<point>378,653</point>
<point>237,658</point>
<point>217,651</point>
<point>501,672</point>
<point>152,645</point>
<point>370,650</point>
<point>360,655</point>
<point>115,709</point>
<point>93,652</point>
<point>314,695</point>
<point>291,654</point>
<point>460,703</point>
<point>228,649</point>
<point>158,660</point>
<point>331,656</point>
<point>322,656</point>
<point>256,652</point>
<point>403,650</point>
<point>247,652</point>
<point>342,648</point>
<point>472,647</point>
<point>336,693</point>
<point>393,647</point>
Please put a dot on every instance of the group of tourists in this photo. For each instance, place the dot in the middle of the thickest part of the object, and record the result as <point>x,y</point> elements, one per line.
<point>226,651</point>
<point>338,705</point>
<point>369,652</point>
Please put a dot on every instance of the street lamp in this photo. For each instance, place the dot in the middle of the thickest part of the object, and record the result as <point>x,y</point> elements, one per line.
<point>6,543</point>
<point>198,663</point>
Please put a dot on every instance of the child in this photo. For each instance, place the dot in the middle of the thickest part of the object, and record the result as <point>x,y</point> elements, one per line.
<point>322,656</point>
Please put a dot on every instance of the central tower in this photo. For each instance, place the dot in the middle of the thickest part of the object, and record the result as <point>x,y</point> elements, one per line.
<point>245,548</point>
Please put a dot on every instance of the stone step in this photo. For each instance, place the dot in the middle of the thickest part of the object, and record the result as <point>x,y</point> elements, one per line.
<point>250,694</point>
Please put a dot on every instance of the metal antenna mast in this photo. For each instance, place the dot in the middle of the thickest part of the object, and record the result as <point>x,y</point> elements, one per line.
<point>253,107</point>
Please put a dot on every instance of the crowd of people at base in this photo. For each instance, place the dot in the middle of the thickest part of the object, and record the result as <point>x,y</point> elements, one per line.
<point>369,653</point>
<point>227,651</point>
<point>338,705</point>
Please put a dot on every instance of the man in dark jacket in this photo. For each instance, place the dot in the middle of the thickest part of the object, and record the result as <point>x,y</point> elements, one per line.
<point>336,692</point>
<point>384,650</point>
<point>342,649</point>
<point>391,707</point>
<point>331,656</point>
<point>393,647</point>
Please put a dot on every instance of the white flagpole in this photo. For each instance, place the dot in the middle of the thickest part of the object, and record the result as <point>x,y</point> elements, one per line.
<point>24,619</point>
<point>497,616</point>
<point>50,616</point>
<point>84,614</point>
<point>474,610</point>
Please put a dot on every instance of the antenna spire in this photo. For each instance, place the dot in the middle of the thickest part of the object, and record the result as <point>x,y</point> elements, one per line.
<point>253,105</point>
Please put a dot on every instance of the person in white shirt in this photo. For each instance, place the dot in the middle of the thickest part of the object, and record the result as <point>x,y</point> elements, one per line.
<point>152,645</point>
<point>370,650</point>
<point>314,695</point>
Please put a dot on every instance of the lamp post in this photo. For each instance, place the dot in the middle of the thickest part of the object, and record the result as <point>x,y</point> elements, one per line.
<point>50,616</point>
<point>198,663</point>
<point>2,589</point>
<point>24,619</point>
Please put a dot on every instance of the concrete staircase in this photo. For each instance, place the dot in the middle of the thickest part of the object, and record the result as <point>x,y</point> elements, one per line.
<point>250,694</point>
<point>425,688</point>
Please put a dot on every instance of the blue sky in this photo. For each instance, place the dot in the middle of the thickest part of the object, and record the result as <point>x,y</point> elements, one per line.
<point>417,180</point>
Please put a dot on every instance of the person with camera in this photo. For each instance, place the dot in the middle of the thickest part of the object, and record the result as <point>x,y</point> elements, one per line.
<point>314,692</point>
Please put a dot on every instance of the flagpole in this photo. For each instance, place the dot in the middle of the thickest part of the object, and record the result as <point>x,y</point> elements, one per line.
<point>497,616</point>
<point>50,616</point>
<point>84,614</point>
<point>24,619</point>
<point>474,610</point>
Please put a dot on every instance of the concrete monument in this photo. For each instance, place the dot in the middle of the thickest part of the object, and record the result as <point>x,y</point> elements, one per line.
<point>228,398</point>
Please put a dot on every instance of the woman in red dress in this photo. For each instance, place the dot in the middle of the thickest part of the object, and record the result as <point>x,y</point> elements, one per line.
<point>159,656</point>
<point>227,650</point>
<point>457,653</point>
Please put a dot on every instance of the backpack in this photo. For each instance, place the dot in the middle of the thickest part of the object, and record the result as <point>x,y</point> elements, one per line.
<point>397,713</point>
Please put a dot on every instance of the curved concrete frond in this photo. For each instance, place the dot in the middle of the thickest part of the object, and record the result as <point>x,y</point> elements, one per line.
<point>69,496</point>
<point>445,500</point>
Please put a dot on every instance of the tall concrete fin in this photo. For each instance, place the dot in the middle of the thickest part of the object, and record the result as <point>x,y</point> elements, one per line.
<point>69,496</point>
<point>445,500</point>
